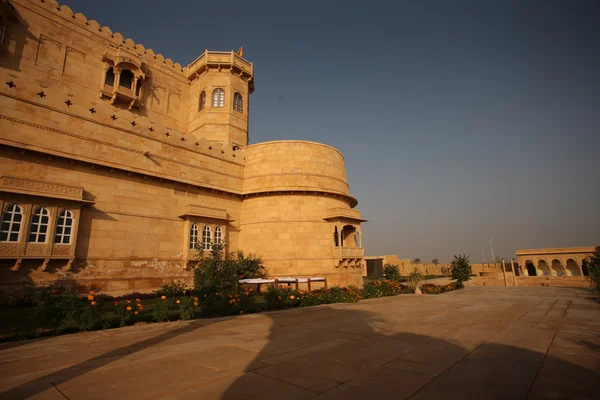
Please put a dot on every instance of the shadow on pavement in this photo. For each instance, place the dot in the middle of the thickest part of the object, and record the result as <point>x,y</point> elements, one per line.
<point>331,352</point>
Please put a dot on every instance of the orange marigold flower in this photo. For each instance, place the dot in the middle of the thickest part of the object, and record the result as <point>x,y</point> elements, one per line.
<point>128,301</point>
<point>116,303</point>
<point>177,302</point>
<point>196,303</point>
<point>92,292</point>
<point>195,299</point>
<point>93,303</point>
<point>53,291</point>
<point>128,308</point>
<point>292,297</point>
<point>163,297</point>
<point>90,297</point>
<point>138,300</point>
<point>279,297</point>
<point>136,313</point>
<point>141,307</point>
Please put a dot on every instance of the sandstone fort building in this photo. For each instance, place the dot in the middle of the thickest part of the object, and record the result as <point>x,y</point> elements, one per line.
<point>118,166</point>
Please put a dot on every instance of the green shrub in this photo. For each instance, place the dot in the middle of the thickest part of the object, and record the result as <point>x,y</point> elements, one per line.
<point>56,308</point>
<point>219,272</point>
<point>415,279</point>
<point>460,268</point>
<point>161,309</point>
<point>172,289</point>
<point>430,288</point>
<point>383,288</point>
<point>187,310</point>
<point>593,269</point>
<point>128,310</point>
<point>391,272</point>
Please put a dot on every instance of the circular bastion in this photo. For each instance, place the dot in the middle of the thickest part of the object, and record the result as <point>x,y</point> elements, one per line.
<point>289,186</point>
<point>294,165</point>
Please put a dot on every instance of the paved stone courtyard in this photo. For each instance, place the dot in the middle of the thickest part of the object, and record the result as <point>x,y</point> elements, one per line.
<point>477,343</point>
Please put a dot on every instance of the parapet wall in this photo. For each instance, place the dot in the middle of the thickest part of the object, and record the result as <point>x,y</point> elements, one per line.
<point>294,165</point>
<point>406,266</point>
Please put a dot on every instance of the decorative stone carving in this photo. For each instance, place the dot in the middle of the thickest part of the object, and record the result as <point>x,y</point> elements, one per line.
<point>17,265</point>
<point>61,250</point>
<point>201,211</point>
<point>40,186</point>
<point>36,249</point>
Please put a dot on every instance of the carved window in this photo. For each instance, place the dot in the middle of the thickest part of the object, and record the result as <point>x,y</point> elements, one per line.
<point>11,223</point>
<point>218,98</point>
<point>238,103</point>
<point>110,77</point>
<point>126,79</point>
<point>39,225</point>
<point>218,235</point>
<point>206,238</point>
<point>64,227</point>
<point>202,101</point>
<point>194,237</point>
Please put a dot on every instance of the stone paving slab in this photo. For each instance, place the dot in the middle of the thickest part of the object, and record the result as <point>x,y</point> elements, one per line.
<point>476,343</point>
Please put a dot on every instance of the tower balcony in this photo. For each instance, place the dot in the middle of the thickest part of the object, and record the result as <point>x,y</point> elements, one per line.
<point>348,252</point>
<point>219,60</point>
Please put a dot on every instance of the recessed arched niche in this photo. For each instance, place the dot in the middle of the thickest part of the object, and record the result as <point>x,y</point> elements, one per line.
<point>123,79</point>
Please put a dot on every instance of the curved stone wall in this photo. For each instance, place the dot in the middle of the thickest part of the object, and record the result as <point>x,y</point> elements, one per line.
<point>290,234</point>
<point>294,165</point>
<point>288,187</point>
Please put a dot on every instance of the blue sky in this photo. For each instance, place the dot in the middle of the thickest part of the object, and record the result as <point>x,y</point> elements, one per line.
<point>459,120</point>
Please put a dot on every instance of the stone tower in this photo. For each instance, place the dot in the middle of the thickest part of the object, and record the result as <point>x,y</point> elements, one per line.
<point>221,84</point>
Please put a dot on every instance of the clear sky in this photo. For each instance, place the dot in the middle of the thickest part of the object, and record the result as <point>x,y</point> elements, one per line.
<point>459,120</point>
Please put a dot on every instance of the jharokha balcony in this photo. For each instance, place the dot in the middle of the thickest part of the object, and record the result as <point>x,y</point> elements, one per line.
<point>348,252</point>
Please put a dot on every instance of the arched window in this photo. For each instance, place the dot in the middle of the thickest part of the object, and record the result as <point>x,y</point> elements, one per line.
<point>336,237</point>
<point>64,225</point>
<point>202,101</point>
<point>126,79</point>
<point>194,237</point>
<point>39,225</point>
<point>218,235</point>
<point>218,98</point>
<point>11,223</point>
<point>206,238</point>
<point>110,77</point>
<point>238,104</point>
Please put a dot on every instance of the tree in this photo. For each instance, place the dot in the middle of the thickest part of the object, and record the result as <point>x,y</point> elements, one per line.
<point>220,271</point>
<point>391,272</point>
<point>435,261</point>
<point>460,268</point>
<point>416,261</point>
<point>593,269</point>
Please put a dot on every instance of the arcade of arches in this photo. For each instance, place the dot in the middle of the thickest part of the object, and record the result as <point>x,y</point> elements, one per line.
<point>567,261</point>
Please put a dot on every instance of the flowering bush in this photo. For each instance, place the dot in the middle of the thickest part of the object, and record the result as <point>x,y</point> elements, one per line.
<point>161,309</point>
<point>172,289</point>
<point>430,288</point>
<point>383,288</point>
<point>187,309</point>
<point>128,310</point>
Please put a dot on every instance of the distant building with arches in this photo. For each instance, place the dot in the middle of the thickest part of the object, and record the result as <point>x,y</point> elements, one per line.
<point>562,261</point>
